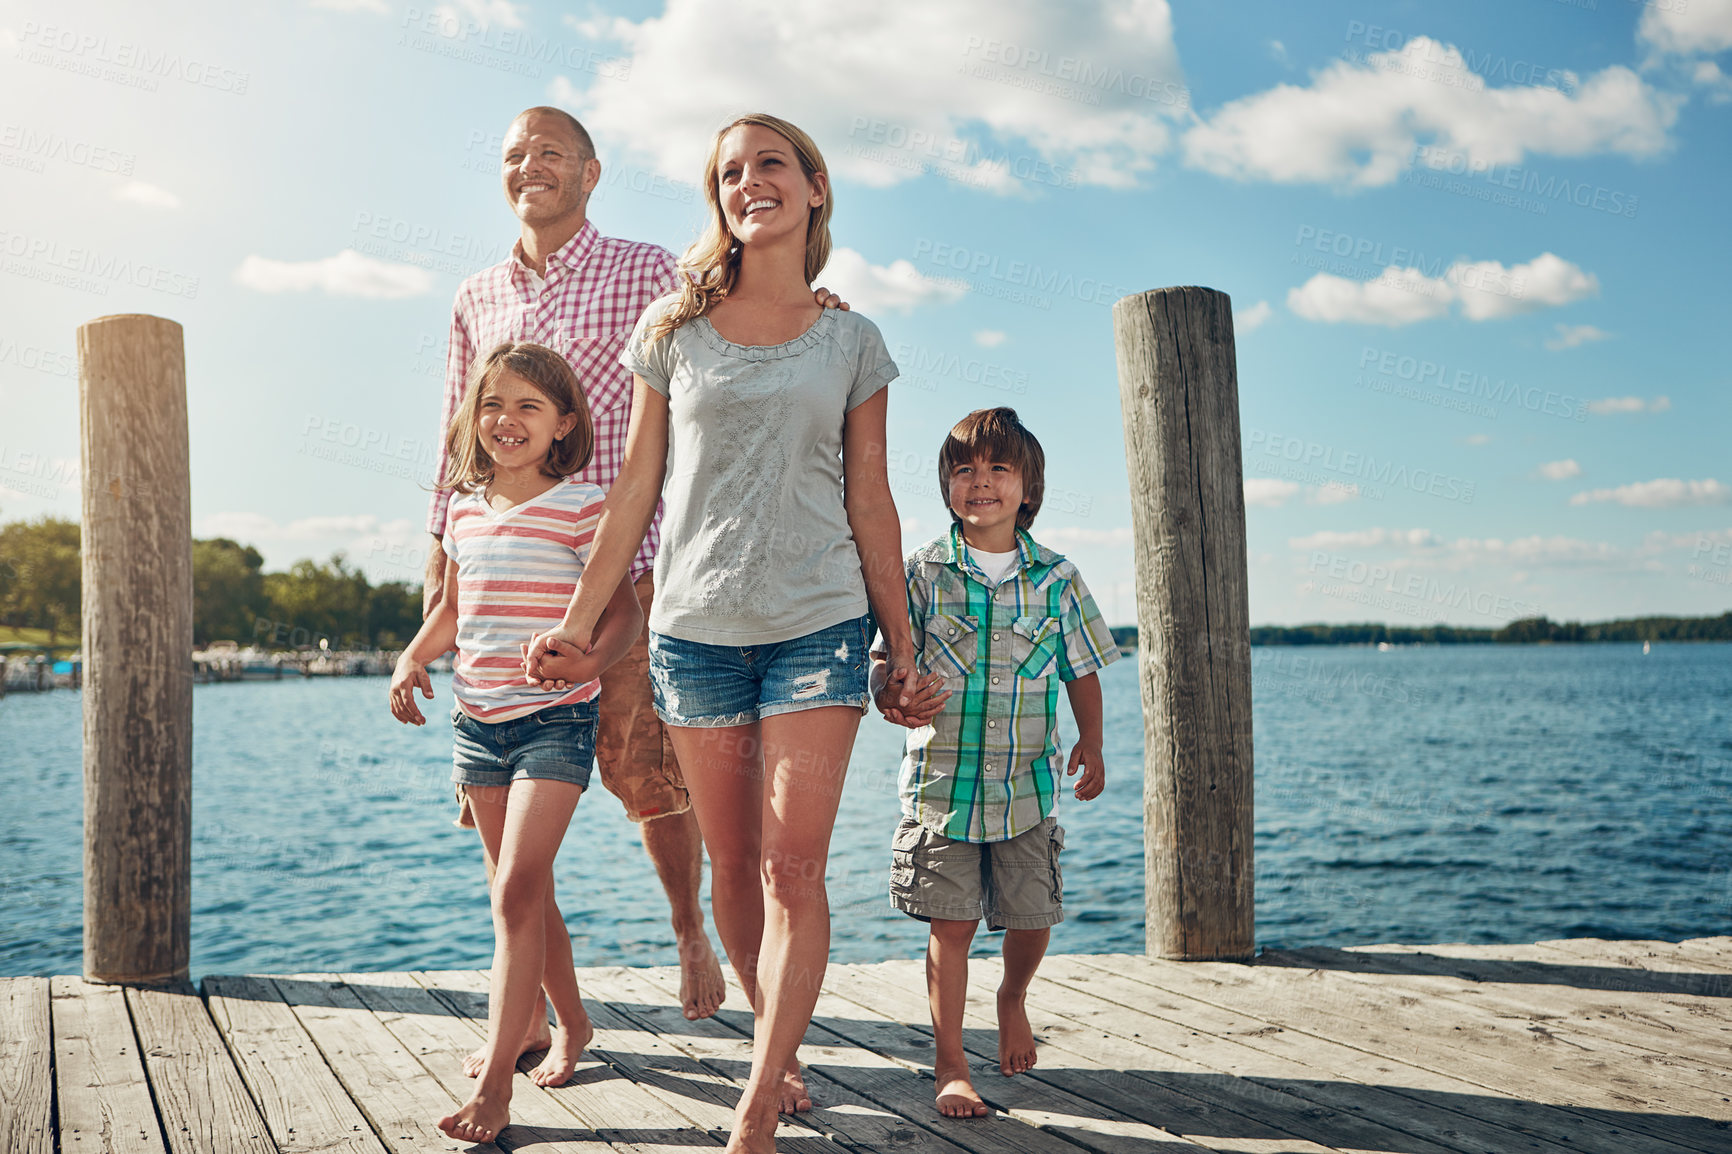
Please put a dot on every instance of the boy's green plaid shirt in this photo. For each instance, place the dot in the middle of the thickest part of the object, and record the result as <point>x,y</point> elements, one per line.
<point>989,766</point>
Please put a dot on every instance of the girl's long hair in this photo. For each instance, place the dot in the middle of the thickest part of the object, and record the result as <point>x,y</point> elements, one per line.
<point>470,464</point>
<point>711,267</point>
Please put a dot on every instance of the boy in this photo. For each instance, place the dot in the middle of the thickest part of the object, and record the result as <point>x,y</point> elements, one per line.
<point>1003,621</point>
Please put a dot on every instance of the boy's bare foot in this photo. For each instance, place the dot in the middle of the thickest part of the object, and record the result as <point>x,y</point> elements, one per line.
<point>540,1037</point>
<point>1016,1049</point>
<point>563,1052</point>
<point>956,1096</point>
<point>795,1097</point>
<point>478,1120</point>
<point>702,987</point>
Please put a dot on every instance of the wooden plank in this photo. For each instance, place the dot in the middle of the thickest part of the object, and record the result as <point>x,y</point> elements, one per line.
<point>100,1088</point>
<point>1693,1029</point>
<point>304,1106</point>
<point>26,1074</point>
<point>1715,975</point>
<point>441,1040</point>
<point>866,1005</point>
<point>1393,1045</point>
<point>860,1110</point>
<point>200,1096</point>
<point>680,1082</point>
<point>395,1092</point>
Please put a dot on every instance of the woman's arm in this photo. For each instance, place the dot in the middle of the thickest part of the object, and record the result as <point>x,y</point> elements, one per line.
<point>878,533</point>
<point>631,506</point>
<point>437,635</point>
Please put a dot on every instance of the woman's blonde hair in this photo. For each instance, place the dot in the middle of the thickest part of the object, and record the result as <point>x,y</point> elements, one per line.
<point>471,465</point>
<point>711,267</point>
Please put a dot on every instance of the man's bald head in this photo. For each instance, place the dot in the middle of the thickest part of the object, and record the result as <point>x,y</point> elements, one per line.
<point>580,134</point>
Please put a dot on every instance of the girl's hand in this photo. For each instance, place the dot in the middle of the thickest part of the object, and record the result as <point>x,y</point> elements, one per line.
<point>540,645</point>
<point>561,667</point>
<point>1094,771</point>
<point>409,676</point>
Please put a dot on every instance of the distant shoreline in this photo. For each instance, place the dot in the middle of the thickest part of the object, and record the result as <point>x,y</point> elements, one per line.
<point>1527,631</point>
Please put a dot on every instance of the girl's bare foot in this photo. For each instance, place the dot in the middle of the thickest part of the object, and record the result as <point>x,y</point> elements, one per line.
<point>795,1098</point>
<point>1016,1049</point>
<point>563,1052</point>
<point>540,1037</point>
<point>702,987</point>
<point>478,1120</point>
<point>956,1096</point>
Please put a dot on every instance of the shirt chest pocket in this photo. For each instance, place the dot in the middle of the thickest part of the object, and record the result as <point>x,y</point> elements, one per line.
<point>952,645</point>
<point>1034,643</point>
<point>594,357</point>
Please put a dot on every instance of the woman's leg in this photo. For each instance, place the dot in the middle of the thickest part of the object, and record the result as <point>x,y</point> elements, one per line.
<point>536,814</point>
<point>805,763</point>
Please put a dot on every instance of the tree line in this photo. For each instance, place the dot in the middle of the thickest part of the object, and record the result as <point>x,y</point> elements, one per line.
<point>1526,631</point>
<point>233,597</point>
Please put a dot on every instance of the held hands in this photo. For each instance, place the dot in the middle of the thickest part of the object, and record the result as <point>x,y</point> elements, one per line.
<point>541,646</point>
<point>409,676</point>
<point>561,664</point>
<point>1094,770</point>
<point>904,696</point>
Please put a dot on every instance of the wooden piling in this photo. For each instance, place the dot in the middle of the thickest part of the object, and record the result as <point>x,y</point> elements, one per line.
<point>1178,387</point>
<point>137,605</point>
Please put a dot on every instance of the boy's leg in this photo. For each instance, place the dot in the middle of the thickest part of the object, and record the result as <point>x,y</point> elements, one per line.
<point>947,990</point>
<point>1023,950</point>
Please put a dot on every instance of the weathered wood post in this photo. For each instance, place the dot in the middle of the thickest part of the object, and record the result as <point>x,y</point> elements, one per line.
<point>1179,388</point>
<point>137,573</point>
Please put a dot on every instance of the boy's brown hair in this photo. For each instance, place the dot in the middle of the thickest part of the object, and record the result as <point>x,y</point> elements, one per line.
<point>471,466</point>
<point>996,435</point>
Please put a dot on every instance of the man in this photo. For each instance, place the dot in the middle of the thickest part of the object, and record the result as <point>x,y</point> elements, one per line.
<point>566,286</point>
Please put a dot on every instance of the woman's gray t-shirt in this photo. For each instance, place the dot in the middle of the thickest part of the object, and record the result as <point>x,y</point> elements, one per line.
<point>755,543</point>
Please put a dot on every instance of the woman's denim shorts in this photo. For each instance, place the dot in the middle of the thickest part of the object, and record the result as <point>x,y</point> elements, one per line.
<point>706,686</point>
<point>555,744</point>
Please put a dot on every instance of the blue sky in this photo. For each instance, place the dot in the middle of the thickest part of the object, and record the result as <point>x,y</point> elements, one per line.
<point>1469,245</point>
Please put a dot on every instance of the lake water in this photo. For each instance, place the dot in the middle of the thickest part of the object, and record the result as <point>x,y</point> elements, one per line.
<point>1471,793</point>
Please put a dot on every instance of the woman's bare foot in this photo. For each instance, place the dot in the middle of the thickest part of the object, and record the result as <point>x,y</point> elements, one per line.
<point>795,1097</point>
<point>702,987</point>
<point>754,1130</point>
<point>563,1052</point>
<point>1016,1049</point>
<point>956,1096</point>
<point>539,1037</point>
<point>478,1120</point>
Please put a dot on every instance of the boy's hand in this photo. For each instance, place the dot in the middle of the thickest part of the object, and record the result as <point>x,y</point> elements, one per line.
<point>905,697</point>
<point>409,676</point>
<point>560,667</point>
<point>1094,771</point>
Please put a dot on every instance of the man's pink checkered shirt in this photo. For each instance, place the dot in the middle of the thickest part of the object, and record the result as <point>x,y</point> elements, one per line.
<point>595,289</point>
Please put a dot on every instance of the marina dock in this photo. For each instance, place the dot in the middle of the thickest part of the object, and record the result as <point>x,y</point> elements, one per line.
<point>1566,1046</point>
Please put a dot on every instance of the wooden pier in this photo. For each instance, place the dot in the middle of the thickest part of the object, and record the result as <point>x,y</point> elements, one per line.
<point>1569,1046</point>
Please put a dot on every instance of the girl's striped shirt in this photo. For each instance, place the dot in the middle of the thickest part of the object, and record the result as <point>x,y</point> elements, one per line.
<point>516,570</point>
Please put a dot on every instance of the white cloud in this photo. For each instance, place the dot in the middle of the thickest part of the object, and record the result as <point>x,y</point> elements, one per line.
<point>378,6</point>
<point>1693,28</point>
<point>1073,535</point>
<point>1277,51</point>
<point>894,91</point>
<point>1707,75</point>
<point>148,195</point>
<point>1570,336</point>
<point>896,287</point>
<point>348,274</point>
<point>1607,405</point>
<point>1560,470</point>
<point>1485,290</point>
<point>502,13</point>
<point>1267,492</point>
<point>990,338</point>
<point>1367,539</point>
<point>1477,439</point>
<point>256,528</point>
<point>1333,493</point>
<point>1661,493</point>
<point>1249,320</point>
<point>1358,123</point>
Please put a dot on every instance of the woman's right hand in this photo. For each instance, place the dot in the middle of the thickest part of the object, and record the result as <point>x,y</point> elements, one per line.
<point>409,675</point>
<point>541,645</point>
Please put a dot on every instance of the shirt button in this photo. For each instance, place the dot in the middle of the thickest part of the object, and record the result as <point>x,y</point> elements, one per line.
<point>995,637</point>
<point>992,724</point>
<point>995,681</point>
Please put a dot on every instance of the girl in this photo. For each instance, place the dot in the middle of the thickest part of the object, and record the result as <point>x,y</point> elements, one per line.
<point>759,418</point>
<point>516,540</point>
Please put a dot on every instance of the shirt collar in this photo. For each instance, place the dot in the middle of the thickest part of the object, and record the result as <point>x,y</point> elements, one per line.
<point>1031,556</point>
<point>562,260</point>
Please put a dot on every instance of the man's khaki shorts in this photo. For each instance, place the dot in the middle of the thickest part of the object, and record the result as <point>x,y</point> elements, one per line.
<point>1012,884</point>
<point>632,749</point>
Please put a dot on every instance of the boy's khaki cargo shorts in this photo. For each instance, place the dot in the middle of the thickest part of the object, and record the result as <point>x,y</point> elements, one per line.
<point>1012,884</point>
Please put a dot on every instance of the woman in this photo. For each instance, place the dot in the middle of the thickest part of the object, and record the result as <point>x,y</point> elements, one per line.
<point>759,418</point>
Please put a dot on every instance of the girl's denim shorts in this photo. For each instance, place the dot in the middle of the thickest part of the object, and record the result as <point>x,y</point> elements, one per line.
<point>706,686</point>
<point>556,744</point>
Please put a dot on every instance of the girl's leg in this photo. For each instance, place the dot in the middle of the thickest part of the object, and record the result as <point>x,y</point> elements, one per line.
<point>805,762</point>
<point>536,814</point>
<point>486,809</point>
